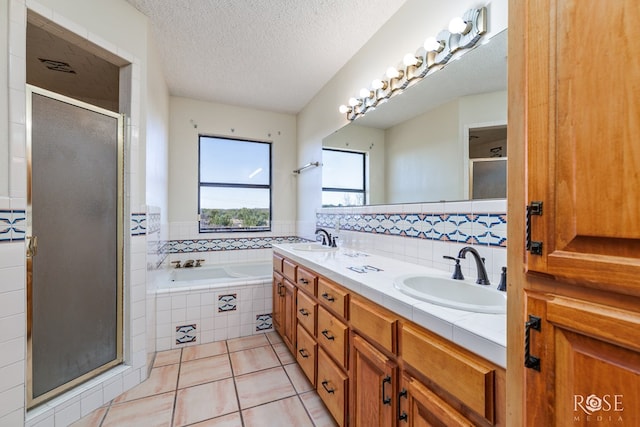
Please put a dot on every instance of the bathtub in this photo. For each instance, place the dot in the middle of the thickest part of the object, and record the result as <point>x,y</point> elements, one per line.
<point>198,305</point>
<point>217,275</point>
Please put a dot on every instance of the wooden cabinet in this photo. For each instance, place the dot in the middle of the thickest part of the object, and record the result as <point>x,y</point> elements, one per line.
<point>373,386</point>
<point>306,308</point>
<point>333,336</point>
<point>333,296</point>
<point>306,353</point>
<point>307,280</point>
<point>420,407</point>
<point>376,323</point>
<point>574,255</point>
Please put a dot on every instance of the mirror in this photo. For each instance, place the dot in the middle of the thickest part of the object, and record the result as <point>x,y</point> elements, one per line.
<point>417,144</point>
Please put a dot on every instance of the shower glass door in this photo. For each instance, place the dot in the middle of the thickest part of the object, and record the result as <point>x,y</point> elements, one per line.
<point>75,242</point>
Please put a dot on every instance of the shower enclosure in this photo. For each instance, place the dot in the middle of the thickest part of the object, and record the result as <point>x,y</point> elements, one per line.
<point>75,242</point>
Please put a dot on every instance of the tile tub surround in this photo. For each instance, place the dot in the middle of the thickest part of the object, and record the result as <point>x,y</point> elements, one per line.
<point>252,381</point>
<point>483,334</point>
<point>203,314</point>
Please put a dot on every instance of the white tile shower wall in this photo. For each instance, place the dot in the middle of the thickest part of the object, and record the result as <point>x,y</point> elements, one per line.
<point>428,250</point>
<point>217,314</point>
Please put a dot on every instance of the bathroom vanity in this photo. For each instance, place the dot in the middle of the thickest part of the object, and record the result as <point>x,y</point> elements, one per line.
<point>378,357</point>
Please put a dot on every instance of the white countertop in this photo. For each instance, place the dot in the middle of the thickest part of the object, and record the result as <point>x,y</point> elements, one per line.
<point>483,334</point>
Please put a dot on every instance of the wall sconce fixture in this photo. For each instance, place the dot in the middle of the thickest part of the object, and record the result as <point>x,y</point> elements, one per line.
<point>463,33</point>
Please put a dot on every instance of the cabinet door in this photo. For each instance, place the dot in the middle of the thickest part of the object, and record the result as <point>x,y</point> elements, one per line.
<point>420,407</point>
<point>373,386</point>
<point>582,118</point>
<point>278,303</point>
<point>589,363</point>
<point>289,316</point>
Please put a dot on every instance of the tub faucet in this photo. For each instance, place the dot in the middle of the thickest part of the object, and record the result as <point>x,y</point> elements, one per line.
<point>188,263</point>
<point>483,277</point>
<point>326,237</point>
<point>177,264</point>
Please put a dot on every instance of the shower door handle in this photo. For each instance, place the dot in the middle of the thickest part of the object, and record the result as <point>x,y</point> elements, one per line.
<point>32,247</point>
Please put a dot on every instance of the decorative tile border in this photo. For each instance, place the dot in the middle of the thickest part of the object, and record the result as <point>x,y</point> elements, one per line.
<point>227,302</point>
<point>476,229</point>
<point>226,244</point>
<point>138,223</point>
<point>13,225</point>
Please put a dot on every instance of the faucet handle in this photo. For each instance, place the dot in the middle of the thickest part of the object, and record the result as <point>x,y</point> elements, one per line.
<point>177,263</point>
<point>199,262</point>
<point>457,272</point>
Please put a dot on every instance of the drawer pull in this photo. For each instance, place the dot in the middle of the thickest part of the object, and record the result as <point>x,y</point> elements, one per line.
<point>402,415</point>
<point>303,353</point>
<point>386,400</point>
<point>303,312</point>
<point>328,297</point>
<point>304,281</point>
<point>329,390</point>
<point>327,336</point>
<point>280,288</point>
<point>530,361</point>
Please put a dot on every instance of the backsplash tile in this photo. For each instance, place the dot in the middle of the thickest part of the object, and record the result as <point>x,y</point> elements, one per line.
<point>138,223</point>
<point>226,244</point>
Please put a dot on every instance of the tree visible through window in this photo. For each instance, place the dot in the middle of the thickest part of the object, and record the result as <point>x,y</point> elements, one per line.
<point>343,178</point>
<point>234,191</point>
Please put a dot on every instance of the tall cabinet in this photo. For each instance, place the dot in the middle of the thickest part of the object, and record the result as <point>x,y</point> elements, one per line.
<point>574,213</point>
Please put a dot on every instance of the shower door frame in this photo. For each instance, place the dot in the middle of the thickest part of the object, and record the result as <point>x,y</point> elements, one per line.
<point>31,401</point>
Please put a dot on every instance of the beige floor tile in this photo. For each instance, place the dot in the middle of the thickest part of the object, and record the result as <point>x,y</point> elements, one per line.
<point>205,370</point>
<point>262,387</point>
<point>298,378</point>
<point>244,343</point>
<point>231,420</point>
<point>154,411</point>
<point>283,353</point>
<point>93,419</point>
<point>161,380</point>
<point>168,357</point>
<point>203,350</point>
<point>274,337</point>
<point>253,359</point>
<point>319,413</point>
<point>286,412</point>
<point>205,401</point>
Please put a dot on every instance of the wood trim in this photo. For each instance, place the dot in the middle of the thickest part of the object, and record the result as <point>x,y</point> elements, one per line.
<point>377,324</point>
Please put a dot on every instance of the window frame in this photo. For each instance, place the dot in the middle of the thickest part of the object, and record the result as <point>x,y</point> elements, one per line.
<point>202,184</point>
<point>364,177</point>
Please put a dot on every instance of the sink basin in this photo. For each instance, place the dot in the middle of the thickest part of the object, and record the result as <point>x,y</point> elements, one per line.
<point>453,293</point>
<point>313,247</point>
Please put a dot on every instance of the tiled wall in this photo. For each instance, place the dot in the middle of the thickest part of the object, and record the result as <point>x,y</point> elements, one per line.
<point>13,225</point>
<point>425,232</point>
<point>201,316</point>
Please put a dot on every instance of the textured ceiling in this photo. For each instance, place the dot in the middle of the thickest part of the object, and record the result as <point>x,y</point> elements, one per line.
<point>267,54</point>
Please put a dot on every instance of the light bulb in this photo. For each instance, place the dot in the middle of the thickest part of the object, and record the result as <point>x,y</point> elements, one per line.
<point>393,73</point>
<point>354,101</point>
<point>344,109</point>
<point>410,59</point>
<point>458,26</point>
<point>378,84</point>
<point>365,93</point>
<point>432,45</point>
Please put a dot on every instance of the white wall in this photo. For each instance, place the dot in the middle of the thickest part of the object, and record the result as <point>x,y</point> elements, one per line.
<point>188,119</point>
<point>4,100</point>
<point>404,32</point>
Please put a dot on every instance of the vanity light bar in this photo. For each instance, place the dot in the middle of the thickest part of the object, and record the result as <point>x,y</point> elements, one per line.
<point>463,33</point>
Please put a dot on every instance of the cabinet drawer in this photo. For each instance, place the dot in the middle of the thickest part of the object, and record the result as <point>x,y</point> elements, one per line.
<point>307,280</point>
<point>468,378</point>
<point>374,322</point>
<point>277,263</point>
<point>306,312</point>
<point>333,335</point>
<point>332,296</point>
<point>289,270</point>
<point>306,354</point>
<point>332,387</point>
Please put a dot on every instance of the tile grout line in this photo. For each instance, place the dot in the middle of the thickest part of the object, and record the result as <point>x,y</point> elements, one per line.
<point>235,387</point>
<point>175,392</point>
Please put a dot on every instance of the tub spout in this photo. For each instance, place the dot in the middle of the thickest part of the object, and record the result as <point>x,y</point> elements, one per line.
<point>188,263</point>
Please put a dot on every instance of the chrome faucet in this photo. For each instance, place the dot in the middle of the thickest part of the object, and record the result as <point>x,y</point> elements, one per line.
<point>483,277</point>
<point>326,237</point>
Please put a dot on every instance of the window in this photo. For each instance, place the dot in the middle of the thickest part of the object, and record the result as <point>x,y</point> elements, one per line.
<point>343,178</point>
<point>234,191</point>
